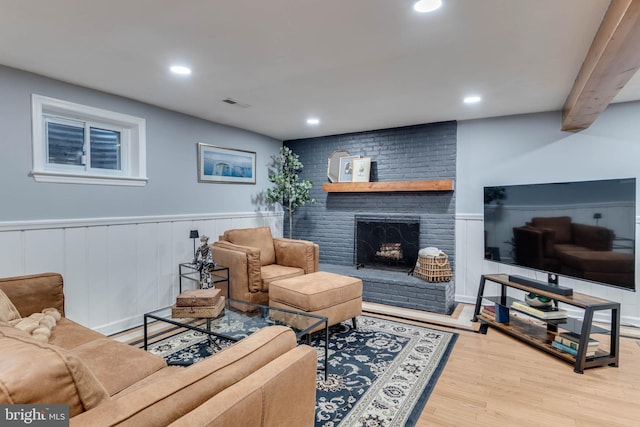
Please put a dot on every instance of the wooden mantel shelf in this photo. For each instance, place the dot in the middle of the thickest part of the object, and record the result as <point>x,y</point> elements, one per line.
<point>389,186</point>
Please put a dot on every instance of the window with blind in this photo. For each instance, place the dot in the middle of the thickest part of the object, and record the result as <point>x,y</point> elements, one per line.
<point>80,144</point>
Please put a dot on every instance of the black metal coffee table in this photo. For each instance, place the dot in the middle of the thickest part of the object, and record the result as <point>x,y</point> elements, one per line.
<point>240,319</point>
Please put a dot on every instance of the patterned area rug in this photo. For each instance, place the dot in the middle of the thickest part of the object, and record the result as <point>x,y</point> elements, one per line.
<point>379,375</point>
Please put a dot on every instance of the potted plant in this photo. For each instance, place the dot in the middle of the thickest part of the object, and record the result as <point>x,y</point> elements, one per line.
<point>289,190</point>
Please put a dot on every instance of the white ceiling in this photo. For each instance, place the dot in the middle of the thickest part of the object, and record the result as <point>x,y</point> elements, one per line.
<point>355,64</point>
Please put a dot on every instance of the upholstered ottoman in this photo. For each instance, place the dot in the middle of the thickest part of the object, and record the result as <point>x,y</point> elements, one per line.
<point>334,296</point>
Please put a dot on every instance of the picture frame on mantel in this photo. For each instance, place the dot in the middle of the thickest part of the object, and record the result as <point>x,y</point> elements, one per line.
<point>333,164</point>
<point>346,168</point>
<point>361,169</point>
<point>226,165</point>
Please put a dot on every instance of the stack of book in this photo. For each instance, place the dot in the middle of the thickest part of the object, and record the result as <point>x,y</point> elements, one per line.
<point>569,342</point>
<point>550,313</point>
<point>198,303</point>
<point>488,310</point>
<point>500,313</point>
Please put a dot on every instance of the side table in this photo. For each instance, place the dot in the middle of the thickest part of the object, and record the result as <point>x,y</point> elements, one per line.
<point>189,271</point>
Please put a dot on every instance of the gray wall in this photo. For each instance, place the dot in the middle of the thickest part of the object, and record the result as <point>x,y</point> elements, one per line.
<point>171,160</point>
<point>532,149</point>
<point>528,149</point>
<point>409,153</point>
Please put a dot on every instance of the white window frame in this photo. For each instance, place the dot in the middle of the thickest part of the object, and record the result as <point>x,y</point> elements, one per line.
<point>133,144</point>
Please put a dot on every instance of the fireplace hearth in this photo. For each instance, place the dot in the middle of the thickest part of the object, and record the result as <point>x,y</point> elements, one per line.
<point>389,242</point>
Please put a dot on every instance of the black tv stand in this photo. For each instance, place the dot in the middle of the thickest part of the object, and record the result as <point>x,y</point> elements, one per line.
<point>542,336</point>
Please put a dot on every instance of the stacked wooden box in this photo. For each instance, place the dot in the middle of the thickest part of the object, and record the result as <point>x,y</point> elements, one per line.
<point>198,303</point>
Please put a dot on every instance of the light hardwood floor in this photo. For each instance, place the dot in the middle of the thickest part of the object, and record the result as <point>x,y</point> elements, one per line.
<point>495,380</point>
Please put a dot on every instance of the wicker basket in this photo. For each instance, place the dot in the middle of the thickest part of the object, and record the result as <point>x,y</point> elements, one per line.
<point>433,268</point>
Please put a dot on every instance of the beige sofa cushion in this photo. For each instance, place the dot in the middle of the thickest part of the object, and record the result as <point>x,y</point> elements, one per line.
<point>160,402</point>
<point>117,365</point>
<point>262,401</point>
<point>69,334</point>
<point>38,373</point>
<point>273,272</point>
<point>260,238</point>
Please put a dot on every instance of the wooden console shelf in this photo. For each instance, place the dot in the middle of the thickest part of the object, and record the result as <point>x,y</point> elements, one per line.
<point>537,335</point>
<point>388,186</point>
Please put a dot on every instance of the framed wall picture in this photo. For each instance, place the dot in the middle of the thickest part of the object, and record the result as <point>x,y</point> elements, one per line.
<point>226,165</point>
<point>333,164</point>
<point>346,168</point>
<point>361,169</point>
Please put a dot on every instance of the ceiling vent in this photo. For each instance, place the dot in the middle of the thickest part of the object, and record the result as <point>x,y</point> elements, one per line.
<point>231,101</point>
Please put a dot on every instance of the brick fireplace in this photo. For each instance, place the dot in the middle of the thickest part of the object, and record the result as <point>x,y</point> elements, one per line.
<point>421,152</point>
<point>388,242</point>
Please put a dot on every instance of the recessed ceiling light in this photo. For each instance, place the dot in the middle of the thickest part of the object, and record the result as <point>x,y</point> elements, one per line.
<point>313,121</point>
<point>180,69</point>
<point>424,6</point>
<point>472,99</point>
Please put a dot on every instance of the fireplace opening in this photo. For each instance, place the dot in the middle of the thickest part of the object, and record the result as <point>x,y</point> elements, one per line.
<point>387,242</point>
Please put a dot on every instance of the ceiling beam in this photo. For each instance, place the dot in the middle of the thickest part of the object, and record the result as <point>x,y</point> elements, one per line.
<point>614,57</point>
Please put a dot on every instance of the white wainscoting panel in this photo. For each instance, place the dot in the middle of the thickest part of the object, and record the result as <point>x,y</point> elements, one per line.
<point>11,253</point>
<point>469,250</point>
<point>122,264</point>
<point>147,290</point>
<point>77,290</point>
<point>116,269</point>
<point>43,250</point>
<point>166,270</point>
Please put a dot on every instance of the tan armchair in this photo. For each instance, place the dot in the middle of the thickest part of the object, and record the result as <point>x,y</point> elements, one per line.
<point>255,259</point>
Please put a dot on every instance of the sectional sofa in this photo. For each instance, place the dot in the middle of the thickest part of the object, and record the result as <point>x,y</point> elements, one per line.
<point>263,380</point>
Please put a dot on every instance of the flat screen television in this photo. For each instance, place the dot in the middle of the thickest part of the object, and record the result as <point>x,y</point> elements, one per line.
<point>584,230</point>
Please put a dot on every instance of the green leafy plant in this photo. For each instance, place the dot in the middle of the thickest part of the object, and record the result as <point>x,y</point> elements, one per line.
<point>289,190</point>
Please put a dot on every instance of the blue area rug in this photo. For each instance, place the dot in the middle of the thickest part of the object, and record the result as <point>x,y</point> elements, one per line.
<point>379,375</point>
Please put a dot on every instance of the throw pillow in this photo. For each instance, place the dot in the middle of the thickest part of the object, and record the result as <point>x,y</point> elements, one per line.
<point>38,325</point>
<point>8,311</point>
